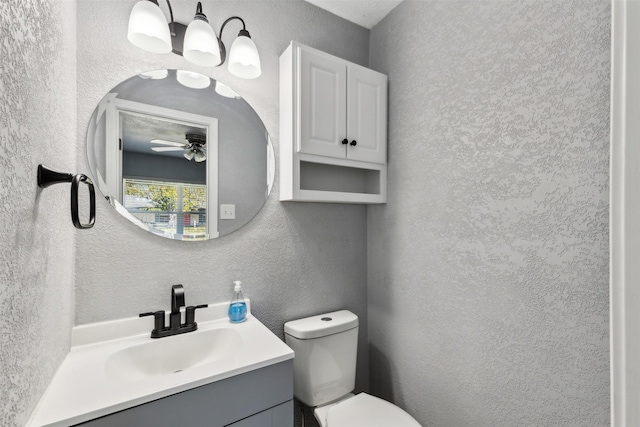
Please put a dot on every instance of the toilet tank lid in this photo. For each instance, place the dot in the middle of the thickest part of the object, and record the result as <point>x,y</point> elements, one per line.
<point>321,325</point>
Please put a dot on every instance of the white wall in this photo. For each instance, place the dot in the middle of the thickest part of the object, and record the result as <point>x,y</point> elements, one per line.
<point>488,267</point>
<point>37,245</point>
<point>294,259</point>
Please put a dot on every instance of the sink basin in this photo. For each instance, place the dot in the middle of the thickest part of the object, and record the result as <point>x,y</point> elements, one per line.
<point>171,355</point>
<point>115,365</point>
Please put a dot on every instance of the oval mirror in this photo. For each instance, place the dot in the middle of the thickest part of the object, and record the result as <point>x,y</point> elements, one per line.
<point>180,155</point>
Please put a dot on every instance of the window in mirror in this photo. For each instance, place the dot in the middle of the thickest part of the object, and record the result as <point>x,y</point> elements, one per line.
<point>174,208</point>
<point>165,169</point>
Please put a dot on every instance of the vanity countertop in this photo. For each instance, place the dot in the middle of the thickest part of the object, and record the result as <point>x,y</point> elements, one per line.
<point>83,389</point>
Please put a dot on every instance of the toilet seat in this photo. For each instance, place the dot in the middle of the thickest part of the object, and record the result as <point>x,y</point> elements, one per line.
<point>364,410</point>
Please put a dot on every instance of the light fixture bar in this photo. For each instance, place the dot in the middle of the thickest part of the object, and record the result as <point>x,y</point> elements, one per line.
<point>177,37</point>
<point>197,45</point>
<point>223,49</point>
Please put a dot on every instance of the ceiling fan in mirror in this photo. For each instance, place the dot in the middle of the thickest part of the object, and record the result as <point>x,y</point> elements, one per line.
<point>193,147</point>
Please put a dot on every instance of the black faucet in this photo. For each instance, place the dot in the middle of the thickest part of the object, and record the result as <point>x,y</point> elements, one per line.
<point>177,301</point>
<point>175,325</point>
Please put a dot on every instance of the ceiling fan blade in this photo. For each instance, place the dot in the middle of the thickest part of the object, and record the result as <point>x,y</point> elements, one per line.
<point>161,149</point>
<point>172,143</point>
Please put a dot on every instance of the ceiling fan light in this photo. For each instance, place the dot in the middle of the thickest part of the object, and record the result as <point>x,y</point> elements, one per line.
<point>189,154</point>
<point>200,156</point>
<point>148,28</point>
<point>244,60</point>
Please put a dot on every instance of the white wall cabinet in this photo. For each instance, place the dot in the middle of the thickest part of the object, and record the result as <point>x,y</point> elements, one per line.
<point>342,108</point>
<point>333,129</point>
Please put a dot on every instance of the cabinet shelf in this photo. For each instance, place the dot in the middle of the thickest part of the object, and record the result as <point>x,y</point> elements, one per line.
<point>323,177</point>
<point>319,179</point>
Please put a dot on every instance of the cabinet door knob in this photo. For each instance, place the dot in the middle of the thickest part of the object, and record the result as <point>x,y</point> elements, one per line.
<point>353,143</point>
<point>345,141</point>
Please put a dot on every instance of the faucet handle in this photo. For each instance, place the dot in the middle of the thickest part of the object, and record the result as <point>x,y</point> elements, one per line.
<point>190,316</point>
<point>158,319</point>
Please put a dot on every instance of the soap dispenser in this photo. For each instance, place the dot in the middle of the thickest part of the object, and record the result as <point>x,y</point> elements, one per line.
<point>237,306</point>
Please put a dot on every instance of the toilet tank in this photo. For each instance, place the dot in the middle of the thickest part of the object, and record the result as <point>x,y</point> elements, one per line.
<point>325,346</point>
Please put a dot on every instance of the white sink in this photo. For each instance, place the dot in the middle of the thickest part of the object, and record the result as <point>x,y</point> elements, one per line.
<point>116,365</point>
<point>165,356</point>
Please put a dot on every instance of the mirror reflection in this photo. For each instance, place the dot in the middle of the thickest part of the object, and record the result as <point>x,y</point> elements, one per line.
<point>180,155</point>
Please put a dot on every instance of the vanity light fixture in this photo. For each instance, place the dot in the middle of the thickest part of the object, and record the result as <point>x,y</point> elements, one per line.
<point>154,75</point>
<point>197,42</point>
<point>201,45</point>
<point>224,90</point>
<point>148,29</point>
<point>192,80</point>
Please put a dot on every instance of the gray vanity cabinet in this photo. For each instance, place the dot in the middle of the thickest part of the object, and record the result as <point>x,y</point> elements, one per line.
<point>281,415</point>
<point>260,398</point>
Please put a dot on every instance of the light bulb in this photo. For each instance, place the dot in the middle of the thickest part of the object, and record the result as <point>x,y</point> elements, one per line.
<point>244,60</point>
<point>192,80</point>
<point>155,75</point>
<point>224,90</point>
<point>148,28</point>
<point>200,42</point>
<point>200,156</point>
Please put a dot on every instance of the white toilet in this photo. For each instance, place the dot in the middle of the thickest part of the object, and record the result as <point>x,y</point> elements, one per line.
<point>324,373</point>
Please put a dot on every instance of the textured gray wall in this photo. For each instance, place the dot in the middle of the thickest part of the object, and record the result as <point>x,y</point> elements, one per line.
<point>294,259</point>
<point>494,239</point>
<point>488,267</point>
<point>37,125</point>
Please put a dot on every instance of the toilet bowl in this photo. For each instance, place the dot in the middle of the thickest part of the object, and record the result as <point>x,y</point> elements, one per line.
<point>363,410</point>
<point>324,368</point>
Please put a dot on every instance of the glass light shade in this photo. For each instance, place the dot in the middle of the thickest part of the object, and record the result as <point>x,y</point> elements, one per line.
<point>244,60</point>
<point>155,75</point>
<point>201,44</point>
<point>192,80</point>
<point>200,156</point>
<point>189,155</point>
<point>224,90</point>
<point>148,28</point>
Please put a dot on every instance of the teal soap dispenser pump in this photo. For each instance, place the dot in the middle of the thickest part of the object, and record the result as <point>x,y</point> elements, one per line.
<point>237,306</point>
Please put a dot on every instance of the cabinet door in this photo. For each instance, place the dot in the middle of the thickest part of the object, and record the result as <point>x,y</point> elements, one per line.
<point>366,115</point>
<point>278,416</point>
<point>322,105</point>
